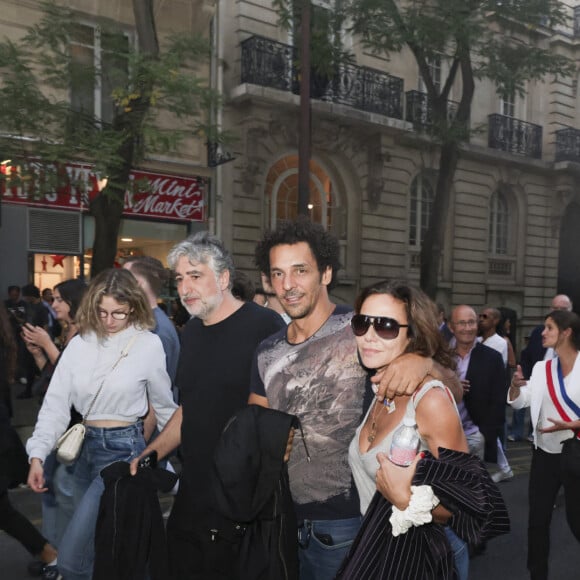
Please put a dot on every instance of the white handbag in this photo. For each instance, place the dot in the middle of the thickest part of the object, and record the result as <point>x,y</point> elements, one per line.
<point>70,443</point>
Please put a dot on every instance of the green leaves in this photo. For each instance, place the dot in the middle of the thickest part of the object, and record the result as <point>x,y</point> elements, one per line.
<point>52,80</point>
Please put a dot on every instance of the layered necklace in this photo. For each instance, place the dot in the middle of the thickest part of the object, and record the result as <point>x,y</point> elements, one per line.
<point>387,404</point>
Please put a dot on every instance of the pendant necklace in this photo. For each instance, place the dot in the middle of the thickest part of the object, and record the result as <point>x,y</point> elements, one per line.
<point>386,404</point>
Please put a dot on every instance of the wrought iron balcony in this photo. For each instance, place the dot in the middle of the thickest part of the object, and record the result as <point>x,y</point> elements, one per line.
<point>515,136</point>
<point>419,109</point>
<point>568,144</point>
<point>268,63</point>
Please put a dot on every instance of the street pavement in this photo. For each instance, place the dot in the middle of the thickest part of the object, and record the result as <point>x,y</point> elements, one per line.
<point>504,558</point>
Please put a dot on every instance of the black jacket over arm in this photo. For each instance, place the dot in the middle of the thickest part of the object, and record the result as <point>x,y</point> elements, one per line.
<point>130,535</point>
<point>252,491</point>
<point>486,399</point>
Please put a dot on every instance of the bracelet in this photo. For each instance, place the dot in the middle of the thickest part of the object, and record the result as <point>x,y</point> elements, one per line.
<point>417,513</point>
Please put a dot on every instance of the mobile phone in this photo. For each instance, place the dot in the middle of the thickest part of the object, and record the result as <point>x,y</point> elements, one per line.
<point>326,539</point>
<point>149,460</point>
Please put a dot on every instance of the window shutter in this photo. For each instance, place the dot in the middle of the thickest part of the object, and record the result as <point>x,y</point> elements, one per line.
<point>56,232</point>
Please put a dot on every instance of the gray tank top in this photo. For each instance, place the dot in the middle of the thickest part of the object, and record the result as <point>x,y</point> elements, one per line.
<point>364,465</point>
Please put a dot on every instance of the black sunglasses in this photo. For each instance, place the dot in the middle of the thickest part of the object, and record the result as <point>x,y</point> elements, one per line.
<point>386,328</point>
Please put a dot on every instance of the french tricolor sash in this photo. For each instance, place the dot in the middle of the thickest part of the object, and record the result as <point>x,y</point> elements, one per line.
<point>565,406</point>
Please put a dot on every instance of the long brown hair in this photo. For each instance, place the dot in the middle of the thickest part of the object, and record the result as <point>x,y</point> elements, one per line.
<point>8,346</point>
<point>122,286</point>
<point>423,331</point>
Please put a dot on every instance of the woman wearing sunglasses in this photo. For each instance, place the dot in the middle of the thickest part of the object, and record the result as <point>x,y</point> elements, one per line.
<point>110,372</point>
<point>393,318</point>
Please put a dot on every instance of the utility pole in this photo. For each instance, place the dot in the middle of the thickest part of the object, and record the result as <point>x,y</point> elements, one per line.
<point>305,121</point>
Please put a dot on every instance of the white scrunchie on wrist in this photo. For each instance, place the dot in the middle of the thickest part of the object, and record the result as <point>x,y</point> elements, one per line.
<point>417,513</point>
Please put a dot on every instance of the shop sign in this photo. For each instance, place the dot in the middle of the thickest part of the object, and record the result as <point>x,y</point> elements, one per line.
<point>151,195</point>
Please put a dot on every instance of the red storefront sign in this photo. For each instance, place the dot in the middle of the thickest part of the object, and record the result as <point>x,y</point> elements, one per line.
<point>150,195</point>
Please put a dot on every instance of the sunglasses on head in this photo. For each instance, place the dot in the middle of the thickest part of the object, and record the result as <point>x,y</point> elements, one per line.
<point>386,328</point>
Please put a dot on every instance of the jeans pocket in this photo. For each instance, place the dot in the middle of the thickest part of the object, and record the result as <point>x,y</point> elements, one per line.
<point>122,445</point>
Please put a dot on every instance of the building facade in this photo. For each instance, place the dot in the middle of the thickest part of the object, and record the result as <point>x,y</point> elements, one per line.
<point>510,239</point>
<point>48,238</point>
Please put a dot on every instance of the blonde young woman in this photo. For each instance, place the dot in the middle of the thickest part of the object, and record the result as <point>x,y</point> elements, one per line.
<point>115,349</point>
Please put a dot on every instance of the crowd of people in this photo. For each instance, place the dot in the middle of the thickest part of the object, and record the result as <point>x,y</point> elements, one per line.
<point>144,385</point>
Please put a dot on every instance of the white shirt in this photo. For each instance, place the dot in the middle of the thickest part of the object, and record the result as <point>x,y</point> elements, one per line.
<point>536,396</point>
<point>138,379</point>
<point>498,343</point>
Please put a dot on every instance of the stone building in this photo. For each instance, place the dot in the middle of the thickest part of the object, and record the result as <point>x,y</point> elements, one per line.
<point>49,238</point>
<point>511,237</point>
<point>515,190</point>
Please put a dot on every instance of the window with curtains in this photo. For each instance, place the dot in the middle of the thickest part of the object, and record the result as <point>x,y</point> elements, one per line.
<point>99,63</point>
<point>499,222</point>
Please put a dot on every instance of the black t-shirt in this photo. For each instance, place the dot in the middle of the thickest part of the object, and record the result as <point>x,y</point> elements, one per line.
<point>37,314</point>
<point>214,380</point>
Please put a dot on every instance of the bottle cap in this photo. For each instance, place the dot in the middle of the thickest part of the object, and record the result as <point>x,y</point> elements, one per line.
<point>409,422</point>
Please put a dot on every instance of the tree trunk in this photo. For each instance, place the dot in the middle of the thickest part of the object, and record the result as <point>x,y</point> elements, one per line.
<point>432,246</point>
<point>107,213</point>
<point>107,207</point>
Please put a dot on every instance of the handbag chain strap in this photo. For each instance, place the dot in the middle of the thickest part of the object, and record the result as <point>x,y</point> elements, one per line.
<point>123,354</point>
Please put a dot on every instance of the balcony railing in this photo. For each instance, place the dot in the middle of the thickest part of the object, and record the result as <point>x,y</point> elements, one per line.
<point>568,144</point>
<point>272,64</point>
<point>501,266</point>
<point>419,109</point>
<point>515,136</point>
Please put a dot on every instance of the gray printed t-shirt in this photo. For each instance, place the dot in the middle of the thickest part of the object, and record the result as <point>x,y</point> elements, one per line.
<point>321,382</point>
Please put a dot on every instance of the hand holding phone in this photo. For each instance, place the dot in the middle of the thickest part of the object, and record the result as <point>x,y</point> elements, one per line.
<point>149,460</point>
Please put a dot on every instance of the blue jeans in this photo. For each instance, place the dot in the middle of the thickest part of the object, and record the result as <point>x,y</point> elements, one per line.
<point>460,554</point>
<point>101,448</point>
<point>49,502</point>
<point>57,503</point>
<point>324,545</point>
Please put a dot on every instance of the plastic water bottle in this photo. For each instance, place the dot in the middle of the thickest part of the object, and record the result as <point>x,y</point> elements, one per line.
<point>405,443</point>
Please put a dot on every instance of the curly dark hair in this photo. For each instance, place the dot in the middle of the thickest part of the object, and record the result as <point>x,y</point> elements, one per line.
<point>323,245</point>
<point>423,331</point>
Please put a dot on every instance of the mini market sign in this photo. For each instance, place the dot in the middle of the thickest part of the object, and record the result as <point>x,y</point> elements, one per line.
<point>148,195</point>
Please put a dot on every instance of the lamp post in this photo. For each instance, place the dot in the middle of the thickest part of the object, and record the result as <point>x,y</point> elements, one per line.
<point>305,120</point>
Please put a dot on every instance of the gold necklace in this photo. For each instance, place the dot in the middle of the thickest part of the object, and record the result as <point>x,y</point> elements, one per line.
<point>386,404</point>
<point>376,414</point>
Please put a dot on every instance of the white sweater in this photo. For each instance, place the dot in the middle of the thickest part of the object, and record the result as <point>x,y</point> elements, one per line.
<point>138,378</point>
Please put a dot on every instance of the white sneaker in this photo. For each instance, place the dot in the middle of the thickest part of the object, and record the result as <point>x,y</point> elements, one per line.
<point>502,475</point>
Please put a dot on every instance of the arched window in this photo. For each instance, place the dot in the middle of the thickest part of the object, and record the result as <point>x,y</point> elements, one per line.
<point>422,195</point>
<point>499,216</point>
<point>282,194</point>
